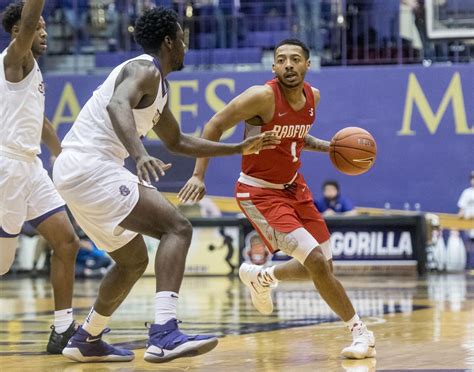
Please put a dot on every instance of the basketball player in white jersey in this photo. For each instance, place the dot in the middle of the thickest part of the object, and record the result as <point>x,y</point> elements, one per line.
<point>26,191</point>
<point>115,207</point>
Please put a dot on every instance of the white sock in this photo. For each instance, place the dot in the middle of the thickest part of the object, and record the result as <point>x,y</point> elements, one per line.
<point>62,320</point>
<point>354,323</point>
<point>165,306</point>
<point>95,323</point>
<point>267,277</point>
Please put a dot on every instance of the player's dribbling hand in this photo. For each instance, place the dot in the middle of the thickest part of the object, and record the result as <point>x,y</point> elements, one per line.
<point>149,166</point>
<point>265,141</point>
<point>193,191</point>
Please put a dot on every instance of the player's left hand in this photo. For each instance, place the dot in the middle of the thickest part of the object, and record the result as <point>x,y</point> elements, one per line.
<point>193,191</point>
<point>265,141</point>
<point>149,167</point>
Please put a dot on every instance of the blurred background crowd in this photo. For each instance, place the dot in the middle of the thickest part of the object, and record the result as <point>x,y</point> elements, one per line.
<point>220,32</point>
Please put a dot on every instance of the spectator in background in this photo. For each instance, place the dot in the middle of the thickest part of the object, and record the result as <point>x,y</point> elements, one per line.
<point>333,202</point>
<point>466,201</point>
<point>212,14</point>
<point>76,13</point>
<point>90,261</point>
<point>418,9</point>
<point>466,205</point>
<point>309,19</point>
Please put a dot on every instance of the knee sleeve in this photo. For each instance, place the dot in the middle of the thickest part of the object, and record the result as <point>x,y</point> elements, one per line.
<point>326,248</point>
<point>7,253</point>
<point>300,243</point>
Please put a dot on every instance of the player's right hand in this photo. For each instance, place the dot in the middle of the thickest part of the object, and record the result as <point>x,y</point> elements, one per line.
<point>149,166</point>
<point>194,190</point>
<point>264,141</point>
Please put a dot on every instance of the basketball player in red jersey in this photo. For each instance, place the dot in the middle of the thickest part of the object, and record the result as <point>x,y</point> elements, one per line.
<point>274,195</point>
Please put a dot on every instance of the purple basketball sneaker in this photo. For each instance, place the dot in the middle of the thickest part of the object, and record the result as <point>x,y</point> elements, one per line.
<point>166,343</point>
<point>83,347</point>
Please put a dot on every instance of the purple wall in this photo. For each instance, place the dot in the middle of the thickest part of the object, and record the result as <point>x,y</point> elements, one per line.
<point>427,162</point>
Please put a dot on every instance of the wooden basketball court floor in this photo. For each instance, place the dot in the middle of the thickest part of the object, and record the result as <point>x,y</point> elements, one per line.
<point>420,324</point>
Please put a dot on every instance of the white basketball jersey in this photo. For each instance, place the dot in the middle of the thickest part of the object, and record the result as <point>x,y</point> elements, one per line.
<point>92,131</point>
<point>21,112</point>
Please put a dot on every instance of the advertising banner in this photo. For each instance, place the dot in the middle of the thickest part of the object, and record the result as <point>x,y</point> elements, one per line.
<point>214,251</point>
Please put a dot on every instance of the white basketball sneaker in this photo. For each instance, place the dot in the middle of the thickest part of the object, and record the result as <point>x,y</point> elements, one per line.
<point>363,344</point>
<point>261,295</point>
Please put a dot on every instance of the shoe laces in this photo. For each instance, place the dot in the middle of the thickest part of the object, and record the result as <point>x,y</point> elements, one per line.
<point>264,279</point>
<point>361,335</point>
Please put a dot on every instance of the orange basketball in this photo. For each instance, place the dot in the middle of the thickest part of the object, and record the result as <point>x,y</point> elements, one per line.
<point>353,150</point>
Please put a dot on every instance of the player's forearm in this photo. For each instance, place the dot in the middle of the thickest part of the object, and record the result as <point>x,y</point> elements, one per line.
<point>315,144</point>
<point>30,15</point>
<point>210,133</point>
<point>50,138</point>
<point>123,123</point>
<point>203,148</point>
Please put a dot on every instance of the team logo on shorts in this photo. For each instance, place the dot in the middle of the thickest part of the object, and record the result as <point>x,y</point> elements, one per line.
<point>124,190</point>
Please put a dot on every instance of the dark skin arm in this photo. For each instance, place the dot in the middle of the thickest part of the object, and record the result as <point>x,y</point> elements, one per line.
<point>176,141</point>
<point>50,138</point>
<point>255,105</point>
<point>19,60</point>
<point>136,87</point>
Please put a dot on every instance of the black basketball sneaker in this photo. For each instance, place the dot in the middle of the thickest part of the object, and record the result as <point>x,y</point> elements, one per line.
<point>58,341</point>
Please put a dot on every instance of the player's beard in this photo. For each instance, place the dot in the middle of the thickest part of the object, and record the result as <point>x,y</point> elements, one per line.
<point>180,66</point>
<point>293,84</point>
<point>39,47</point>
<point>178,62</point>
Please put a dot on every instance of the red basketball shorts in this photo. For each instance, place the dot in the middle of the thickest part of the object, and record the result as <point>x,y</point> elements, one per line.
<point>286,220</point>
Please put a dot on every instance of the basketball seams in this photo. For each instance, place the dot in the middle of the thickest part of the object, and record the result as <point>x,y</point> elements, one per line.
<point>337,138</point>
<point>332,156</point>
<point>356,148</point>
<point>350,162</point>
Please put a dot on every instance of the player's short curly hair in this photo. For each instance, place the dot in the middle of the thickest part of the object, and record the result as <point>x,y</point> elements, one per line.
<point>12,15</point>
<point>153,26</point>
<point>295,42</point>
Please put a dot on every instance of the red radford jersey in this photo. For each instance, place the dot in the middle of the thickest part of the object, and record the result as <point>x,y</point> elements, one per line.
<point>282,163</point>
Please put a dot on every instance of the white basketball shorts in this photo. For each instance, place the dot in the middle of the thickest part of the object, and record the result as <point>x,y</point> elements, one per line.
<point>26,194</point>
<point>100,194</point>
